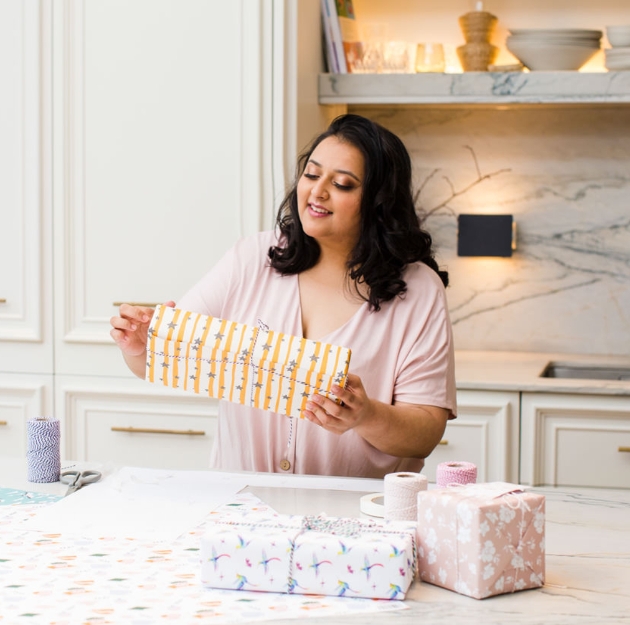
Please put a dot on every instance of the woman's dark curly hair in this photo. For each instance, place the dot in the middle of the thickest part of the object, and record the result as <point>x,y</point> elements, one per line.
<point>390,237</point>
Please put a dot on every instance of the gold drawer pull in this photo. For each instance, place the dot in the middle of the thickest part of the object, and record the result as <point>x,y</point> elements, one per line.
<point>144,304</point>
<point>2,300</point>
<point>3,423</point>
<point>158,431</point>
<point>624,449</point>
<point>443,442</point>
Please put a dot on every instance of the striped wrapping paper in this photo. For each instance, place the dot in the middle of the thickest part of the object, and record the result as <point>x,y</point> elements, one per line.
<point>249,365</point>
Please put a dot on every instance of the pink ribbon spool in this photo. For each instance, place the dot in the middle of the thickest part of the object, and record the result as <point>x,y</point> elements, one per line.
<point>455,473</point>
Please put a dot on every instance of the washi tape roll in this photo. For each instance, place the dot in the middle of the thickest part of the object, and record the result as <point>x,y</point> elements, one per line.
<point>43,444</point>
<point>373,505</point>
<point>401,495</point>
<point>455,473</point>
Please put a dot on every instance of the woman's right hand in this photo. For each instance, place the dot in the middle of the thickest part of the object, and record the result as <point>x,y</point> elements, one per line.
<point>131,327</point>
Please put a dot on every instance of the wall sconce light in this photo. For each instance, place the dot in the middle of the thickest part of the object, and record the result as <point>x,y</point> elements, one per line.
<point>486,235</point>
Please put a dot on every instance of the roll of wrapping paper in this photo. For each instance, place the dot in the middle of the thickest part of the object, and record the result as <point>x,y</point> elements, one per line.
<point>401,495</point>
<point>455,473</point>
<point>43,443</point>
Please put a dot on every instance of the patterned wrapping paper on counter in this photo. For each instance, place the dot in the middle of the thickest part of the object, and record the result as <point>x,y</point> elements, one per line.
<point>311,555</point>
<point>482,540</point>
<point>240,363</point>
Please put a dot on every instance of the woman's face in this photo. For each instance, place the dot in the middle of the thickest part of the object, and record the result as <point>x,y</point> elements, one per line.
<point>329,194</point>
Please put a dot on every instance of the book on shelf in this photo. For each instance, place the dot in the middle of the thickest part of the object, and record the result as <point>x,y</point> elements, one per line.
<point>349,26</point>
<point>334,43</point>
<point>345,45</point>
<point>331,43</point>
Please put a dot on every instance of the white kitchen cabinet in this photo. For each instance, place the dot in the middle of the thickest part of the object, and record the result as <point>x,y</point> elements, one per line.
<point>158,156</point>
<point>22,397</point>
<point>575,440</point>
<point>486,433</point>
<point>26,343</point>
<point>135,151</point>
<point>162,161</point>
<point>132,423</point>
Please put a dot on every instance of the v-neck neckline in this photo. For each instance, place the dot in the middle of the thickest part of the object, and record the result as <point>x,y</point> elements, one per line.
<point>326,337</point>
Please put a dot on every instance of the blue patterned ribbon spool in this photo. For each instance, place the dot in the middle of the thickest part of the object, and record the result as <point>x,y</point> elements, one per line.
<point>43,443</point>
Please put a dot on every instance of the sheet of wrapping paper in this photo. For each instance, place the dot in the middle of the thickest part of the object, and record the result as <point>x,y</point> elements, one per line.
<point>311,555</point>
<point>240,363</point>
<point>482,540</point>
<point>141,582</point>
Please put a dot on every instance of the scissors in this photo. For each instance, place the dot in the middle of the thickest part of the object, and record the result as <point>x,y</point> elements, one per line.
<point>77,479</point>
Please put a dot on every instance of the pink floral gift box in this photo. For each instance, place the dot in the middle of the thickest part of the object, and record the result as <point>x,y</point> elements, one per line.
<point>310,555</point>
<point>482,540</point>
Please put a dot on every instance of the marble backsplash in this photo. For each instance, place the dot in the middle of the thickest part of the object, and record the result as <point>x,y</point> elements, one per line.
<point>564,173</point>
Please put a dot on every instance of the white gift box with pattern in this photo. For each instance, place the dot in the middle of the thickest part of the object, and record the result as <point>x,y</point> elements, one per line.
<point>482,539</point>
<point>310,555</point>
<point>250,365</point>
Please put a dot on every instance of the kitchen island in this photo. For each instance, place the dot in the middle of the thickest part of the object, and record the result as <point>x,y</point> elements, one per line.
<point>587,567</point>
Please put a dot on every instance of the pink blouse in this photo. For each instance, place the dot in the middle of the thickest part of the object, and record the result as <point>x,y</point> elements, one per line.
<point>404,352</point>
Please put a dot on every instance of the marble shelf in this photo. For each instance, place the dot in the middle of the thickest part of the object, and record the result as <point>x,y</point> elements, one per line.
<point>489,88</point>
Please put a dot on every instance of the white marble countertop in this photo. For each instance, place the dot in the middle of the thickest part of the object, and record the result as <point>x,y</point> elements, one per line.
<point>587,560</point>
<point>521,371</point>
<point>587,569</point>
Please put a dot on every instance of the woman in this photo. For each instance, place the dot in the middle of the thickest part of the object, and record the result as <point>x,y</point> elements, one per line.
<point>348,265</point>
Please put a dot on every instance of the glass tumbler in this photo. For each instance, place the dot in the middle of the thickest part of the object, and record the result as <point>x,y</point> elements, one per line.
<point>430,57</point>
<point>397,57</point>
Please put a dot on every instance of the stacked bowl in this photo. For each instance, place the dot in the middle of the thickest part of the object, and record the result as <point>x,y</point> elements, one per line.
<point>618,57</point>
<point>553,49</point>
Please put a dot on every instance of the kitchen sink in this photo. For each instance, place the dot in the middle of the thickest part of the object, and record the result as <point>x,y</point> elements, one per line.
<point>585,372</point>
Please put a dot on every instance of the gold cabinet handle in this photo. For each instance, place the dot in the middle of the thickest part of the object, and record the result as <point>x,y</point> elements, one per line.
<point>3,423</point>
<point>2,300</point>
<point>146,304</point>
<point>443,442</point>
<point>627,449</point>
<point>158,431</point>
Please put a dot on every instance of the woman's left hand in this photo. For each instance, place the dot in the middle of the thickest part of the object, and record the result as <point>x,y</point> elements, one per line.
<point>356,407</point>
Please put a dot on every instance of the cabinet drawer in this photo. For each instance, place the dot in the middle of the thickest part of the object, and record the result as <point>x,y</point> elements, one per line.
<point>570,440</point>
<point>143,438</point>
<point>12,431</point>
<point>22,397</point>
<point>131,423</point>
<point>485,433</point>
<point>462,442</point>
<point>591,454</point>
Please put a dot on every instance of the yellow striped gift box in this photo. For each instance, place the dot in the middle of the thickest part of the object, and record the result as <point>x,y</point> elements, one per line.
<point>250,365</point>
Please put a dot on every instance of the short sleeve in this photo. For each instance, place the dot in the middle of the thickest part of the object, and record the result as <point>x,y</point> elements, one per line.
<point>426,372</point>
<point>209,295</point>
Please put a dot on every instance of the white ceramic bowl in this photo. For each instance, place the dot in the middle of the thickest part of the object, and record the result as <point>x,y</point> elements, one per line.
<point>566,41</point>
<point>618,36</point>
<point>545,56</point>
<point>618,66</point>
<point>578,33</point>
<point>618,58</point>
<point>617,52</point>
<point>617,61</point>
